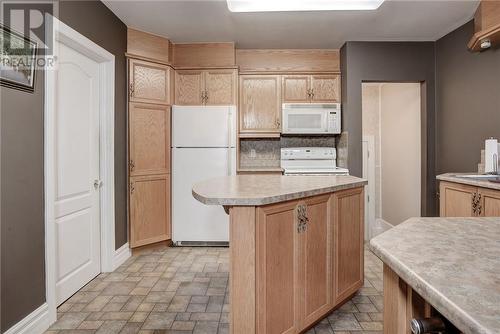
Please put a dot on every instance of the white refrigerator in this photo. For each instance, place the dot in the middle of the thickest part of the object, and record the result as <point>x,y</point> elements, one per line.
<point>203,147</point>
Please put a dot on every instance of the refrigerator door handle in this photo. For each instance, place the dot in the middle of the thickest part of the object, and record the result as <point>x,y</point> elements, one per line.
<point>229,140</point>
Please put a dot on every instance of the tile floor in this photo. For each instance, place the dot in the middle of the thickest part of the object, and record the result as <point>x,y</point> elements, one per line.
<point>185,290</point>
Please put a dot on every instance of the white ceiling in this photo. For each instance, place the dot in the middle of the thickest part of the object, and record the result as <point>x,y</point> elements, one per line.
<point>211,21</point>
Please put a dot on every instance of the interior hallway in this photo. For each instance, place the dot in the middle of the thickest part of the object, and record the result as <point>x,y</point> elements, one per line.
<point>185,290</point>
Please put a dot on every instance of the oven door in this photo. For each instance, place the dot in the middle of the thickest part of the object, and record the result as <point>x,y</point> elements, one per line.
<point>304,121</point>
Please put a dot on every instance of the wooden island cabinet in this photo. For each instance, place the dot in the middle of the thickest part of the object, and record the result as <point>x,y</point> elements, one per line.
<point>293,257</point>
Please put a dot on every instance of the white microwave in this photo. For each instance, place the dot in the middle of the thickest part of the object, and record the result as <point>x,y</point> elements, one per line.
<point>308,118</point>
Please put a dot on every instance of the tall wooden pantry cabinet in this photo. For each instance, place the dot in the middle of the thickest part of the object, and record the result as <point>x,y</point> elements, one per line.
<point>149,113</point>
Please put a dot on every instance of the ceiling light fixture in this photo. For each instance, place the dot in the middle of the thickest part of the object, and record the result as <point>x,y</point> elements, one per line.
<point>300,5</point>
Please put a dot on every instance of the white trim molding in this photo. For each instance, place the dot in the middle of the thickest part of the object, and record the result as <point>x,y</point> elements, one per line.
<point>66,35</point>
<point>121,255</point>
<point>34,323</point>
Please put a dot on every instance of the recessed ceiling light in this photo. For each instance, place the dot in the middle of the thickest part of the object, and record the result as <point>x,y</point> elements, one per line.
<point>300,5</point>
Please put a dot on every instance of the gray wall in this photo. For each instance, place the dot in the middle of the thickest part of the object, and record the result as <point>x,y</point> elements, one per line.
<point>468,101</point>
<point>22,205</point>
<point>389,61</point>
<point>22,194</point>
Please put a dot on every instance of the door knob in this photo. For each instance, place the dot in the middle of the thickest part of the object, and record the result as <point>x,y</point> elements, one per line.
<point>97,184</point>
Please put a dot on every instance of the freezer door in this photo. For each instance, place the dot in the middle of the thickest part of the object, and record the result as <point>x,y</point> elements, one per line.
<point>192,220</point>
<point>212,126</point>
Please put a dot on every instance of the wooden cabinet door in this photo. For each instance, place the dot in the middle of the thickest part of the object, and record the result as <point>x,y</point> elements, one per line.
<point>149,139</point>
<point>149,209</point>
<point>489,203</point>
<point>296,88</point>
<point>149,82</point>
<point>260,104</point>
<point>277,269</point>
<point>348,213</point>
<point>189,87</point>
<point>325,88</point>
<point>456,200</point>
<point>220,87</point>
<point>316,261</point>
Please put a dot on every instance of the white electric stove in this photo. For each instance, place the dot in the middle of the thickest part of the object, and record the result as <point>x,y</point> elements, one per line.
<point>311,161</point>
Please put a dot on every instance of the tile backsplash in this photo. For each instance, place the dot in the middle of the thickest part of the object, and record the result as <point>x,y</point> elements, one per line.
<point>302,141</point>
<point>260,153</point>
<point>263,153</point>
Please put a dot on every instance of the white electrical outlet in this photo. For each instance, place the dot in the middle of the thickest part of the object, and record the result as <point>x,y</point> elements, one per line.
<point>253,154</point>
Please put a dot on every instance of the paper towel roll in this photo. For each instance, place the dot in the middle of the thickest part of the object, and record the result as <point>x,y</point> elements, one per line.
<point>491,156</point>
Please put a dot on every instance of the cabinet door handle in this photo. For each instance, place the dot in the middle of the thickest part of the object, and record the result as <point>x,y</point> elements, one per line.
<point>131,165</point>
<point>302,218</point>
<point>278,123</point>
<point>474,203</point>
<point>312,93</point>
<point>131,89</point>
<point>479,206</point>
<point>132,188</point>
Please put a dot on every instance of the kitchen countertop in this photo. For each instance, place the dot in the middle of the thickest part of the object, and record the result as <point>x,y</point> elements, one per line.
<point>453,263</point>
<point>484,183</point>
<point>254,190</point>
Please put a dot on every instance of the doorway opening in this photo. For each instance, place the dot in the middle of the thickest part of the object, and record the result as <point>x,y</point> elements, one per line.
<point>392,153</point>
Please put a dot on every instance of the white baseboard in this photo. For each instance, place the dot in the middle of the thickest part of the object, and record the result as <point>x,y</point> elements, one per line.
<point>121,255</point>
<point>36,322</point>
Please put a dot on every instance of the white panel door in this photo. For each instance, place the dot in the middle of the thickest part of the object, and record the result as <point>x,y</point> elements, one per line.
<point>77,209</point>
<point>192,220</point>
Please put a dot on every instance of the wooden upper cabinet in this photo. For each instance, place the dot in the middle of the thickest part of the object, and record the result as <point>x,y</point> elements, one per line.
<point>220,87</point>
<point>348,213</point>
<point>325,88</point>
<point>260,104</point>
<point>205,87</point>
<point>316,261</point>
<point>189,87</point>
<point>321,88</point>
<point>149,126</point>
<point>149,82</point>
<point>149,209</point>
<point>277,269</point>
<point>456,200</point>
<point>296,88</point>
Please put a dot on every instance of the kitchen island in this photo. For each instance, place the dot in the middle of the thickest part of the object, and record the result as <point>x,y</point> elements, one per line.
<point>445,266</point>
<point>296,247</point>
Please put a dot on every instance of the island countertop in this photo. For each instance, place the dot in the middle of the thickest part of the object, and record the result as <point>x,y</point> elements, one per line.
<point>453,263</point>
<point>255,190</point>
